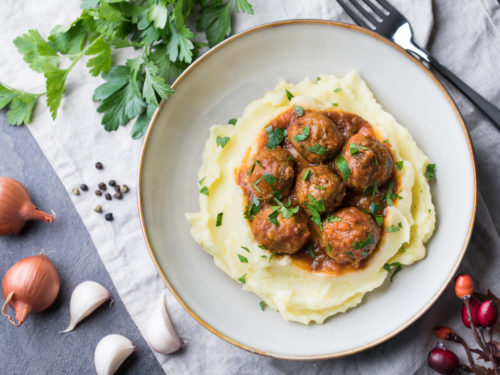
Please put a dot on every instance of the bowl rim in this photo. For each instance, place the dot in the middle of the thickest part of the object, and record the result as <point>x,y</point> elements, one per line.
<point>328,355</point>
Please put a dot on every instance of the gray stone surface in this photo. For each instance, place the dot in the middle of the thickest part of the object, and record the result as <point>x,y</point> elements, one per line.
<point>36,347</point>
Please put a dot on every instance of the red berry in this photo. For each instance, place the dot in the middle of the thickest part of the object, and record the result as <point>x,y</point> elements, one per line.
<point>442,360</point>
<point>474,307</point>
<point>488,313</point>
<point>464,286</point>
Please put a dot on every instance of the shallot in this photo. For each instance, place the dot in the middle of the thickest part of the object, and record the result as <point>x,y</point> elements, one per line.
<point>30,286</point>
<point>110,353</point>
<point>86,297</point>
<point>160,333</point>
<point>16,207</point>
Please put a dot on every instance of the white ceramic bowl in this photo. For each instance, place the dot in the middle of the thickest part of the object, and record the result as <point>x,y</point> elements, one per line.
<point>217,87</point>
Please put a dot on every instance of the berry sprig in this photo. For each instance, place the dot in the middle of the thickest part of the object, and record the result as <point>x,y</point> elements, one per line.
<point>480,314</point>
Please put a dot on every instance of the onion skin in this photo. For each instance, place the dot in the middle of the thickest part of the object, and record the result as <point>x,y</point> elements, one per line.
<point>16,207</point>
<point>30,286</point>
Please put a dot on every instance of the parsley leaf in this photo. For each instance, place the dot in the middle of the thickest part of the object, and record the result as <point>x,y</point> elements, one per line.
<point>222,141</point>
<point>273,216</point>
<point>399,164</point>
<point>154,85</point>
<point>269,178</point>
<point>342,165</point>
<point>394,228</point>
<point>338,89</point>
<point>243,6</point>
<point>311,251</point>
<point>388,196</point>
<point>38,53</point>
<point>285,210</point>
<point>335,104</point>
<point>21,105</point>
<point>218,222</point>
<point>316,207</point>
<point>232,121</point>
<point>252,209</point>
<point>55,85</point>
<point>289,95</point>
<point>349,254</point>
<point>262,305</point>
<point>355,148</point>
<point>332,218</point>
<point>204,190</point>
<point>299,110</point>
<point>245,248</point>
<point>243,279</point>
<point>362,244</point>
<point>242,258</point>
<point>328,249</point>
<point>430,172</point>
<point>101,62</point>
<point>392,268</point>
<point>379,219</point>
<point>303,136</point>
<point>68,39</point>
<point>275,137</point>
<point>306,174</point>
<point>317,149</point>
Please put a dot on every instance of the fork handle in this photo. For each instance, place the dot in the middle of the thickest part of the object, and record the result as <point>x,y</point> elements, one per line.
<point>489,110</point>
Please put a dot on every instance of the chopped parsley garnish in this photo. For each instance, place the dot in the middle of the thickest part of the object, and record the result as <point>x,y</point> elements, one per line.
<point>317,149</point>
<point>271,256</point>
<point>277,194</point>
<point>306,175</point>
<point>256,183</point>
<point>374,207</point>
<point>289,95</point>
<point>249,172</point>
<point>379,219</point>
<point>285,210</point>
<point>311,251</point>
<point>290,157</point>
<point>299,110</point>
<point>318,78</point>
<point>355,148</point>
<point>202,180</point>
<point>245,248</point>
<point>328,249</point>
<point>402,248</point>
<point>374,190</point>
<point>338,89</point>
<point>365,254</point>
<point>332,218</point>
<point>335,104</point>
<point>302,137</point>
<point>262,305</point>
<point>399,164</point>
<point>221,141</point>
<point>385,141</point>
<point>273,216</point>
<point>204,190</point>
<point>269,178</point>
<point>429,210</point>
<point>388,195</point>
<point>232,121</point>
<point>342,165</point>
<point>394,228</point>
<point>349,254</point>
<point>430,172</point>
<point>392,268</point>
<point>252,209</point>
<point>218,222</point>
<point>365,243</point>
<point>242,258</point>
<point>315,208</point>
<point>263,247</point>
<point>243,279</point>
<point>320,187</point>
<point>275,137</point>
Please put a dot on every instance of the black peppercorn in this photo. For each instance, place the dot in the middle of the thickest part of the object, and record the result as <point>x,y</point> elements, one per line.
<point>99,165</point>
<point>109,216</point>
<point>112,183</point>
<point>98,193</point>
<point>108,196</point>
<point>118,195</point>
<point>117,188</point>
<point>84,187</point>
<point>102,186</point>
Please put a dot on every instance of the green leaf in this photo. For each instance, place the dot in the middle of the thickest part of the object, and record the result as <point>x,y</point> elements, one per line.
<point>154,84</point>
<point>215,20</point>
<point>204,190</point>
<point>362,244</point>
<point>102,61</point>
<point>243,6</point>
<point>332,218</point>
<point>393,268</point>
<point>218,221</point>
<point>399,164</point>
<point>262,305</point>
<point>355,148</point>
<point>21,109</point>
<point>338,89</point>
<point>252,209</point>
<point>304,135</point>
<point>37,52</point>
<point>180,44</point>
<point>142,122</point>
<point>158,14</point>
<point>289,95</point>
<point>6,96</point>
<point>273,216</point>
<point>299,110</point>
<point>316,207</point>
<point>242,258</point>
<point>306,175</point>
<point>245,248</point>
<point>317,149</point>
<point>275,137</point>
<point>232,121</point>
<point>55,86</point>
<point>221,141</point>
<point>430,172</point>
<point>342,165</point>
<point>89,4</point>
<point>243,279</point>
<point>109,12</point>
<point>68,39</point>
<point>116,78</point>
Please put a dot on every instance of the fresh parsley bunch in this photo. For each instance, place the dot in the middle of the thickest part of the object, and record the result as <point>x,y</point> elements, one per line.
<point>159,29</point>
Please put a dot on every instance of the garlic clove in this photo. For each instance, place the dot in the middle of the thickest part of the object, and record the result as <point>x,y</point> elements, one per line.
<point>110,353</point>
<point>160,333</point>
<point>86,297</point>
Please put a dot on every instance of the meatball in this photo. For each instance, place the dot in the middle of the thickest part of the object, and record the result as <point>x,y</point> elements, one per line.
<point>347,123</point>
<point>351,239</point>
<point>288,237</point>
<point>321,183</point>
<point>315,137</point>
<point>272,171</point>
<point>369,161</point>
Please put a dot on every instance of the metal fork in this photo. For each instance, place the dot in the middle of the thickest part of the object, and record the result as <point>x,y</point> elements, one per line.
<point>388,22</point>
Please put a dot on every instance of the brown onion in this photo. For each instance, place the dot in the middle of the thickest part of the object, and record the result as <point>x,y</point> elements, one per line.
<point>16,207</point>
<point>30,286</point>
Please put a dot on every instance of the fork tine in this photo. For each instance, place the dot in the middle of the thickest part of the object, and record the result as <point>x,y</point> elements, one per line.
<point>353,15</point>
<point>388,7</point>
<point>375,9</point>
<point>363,11</point>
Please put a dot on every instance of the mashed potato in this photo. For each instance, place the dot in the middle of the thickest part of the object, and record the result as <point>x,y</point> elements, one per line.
<point>298,294</point>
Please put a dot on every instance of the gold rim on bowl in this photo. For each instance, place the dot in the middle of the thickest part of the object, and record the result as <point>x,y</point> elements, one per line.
<point>336,354</point>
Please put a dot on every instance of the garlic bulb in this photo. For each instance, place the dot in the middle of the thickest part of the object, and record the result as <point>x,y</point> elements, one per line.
<point>86,297</point>
<point>110,353</point>
<point>160,333</point>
